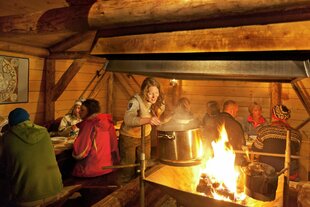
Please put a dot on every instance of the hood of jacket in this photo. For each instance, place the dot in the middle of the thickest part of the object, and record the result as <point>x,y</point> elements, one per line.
<point>28,132</point>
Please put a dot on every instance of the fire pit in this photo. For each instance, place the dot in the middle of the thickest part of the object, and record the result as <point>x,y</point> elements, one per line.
<point>181,182</point>
<point>217,181</point>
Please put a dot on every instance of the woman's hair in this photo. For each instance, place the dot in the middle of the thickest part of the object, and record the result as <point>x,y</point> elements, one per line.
<point>147,83</point>
<point>253,105</point>
<point>92,106</point>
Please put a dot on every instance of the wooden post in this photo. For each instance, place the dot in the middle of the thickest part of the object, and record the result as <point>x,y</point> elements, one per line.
<point>276,94</point>
<point>287,165</point>
<point>49,87</point>
<point>110,94</point>
<point>142,167</point>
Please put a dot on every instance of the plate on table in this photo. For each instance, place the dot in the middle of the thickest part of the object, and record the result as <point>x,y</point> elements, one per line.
<point>70,141</point>
<point>58,140</point>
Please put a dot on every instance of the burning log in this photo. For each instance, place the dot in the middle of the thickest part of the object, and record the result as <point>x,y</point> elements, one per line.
<point>209,187</point>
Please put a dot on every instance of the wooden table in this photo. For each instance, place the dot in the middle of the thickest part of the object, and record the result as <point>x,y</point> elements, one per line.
<point>64,159</point>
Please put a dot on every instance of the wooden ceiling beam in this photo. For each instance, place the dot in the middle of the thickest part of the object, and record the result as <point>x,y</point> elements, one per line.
<point>272,37</point>
<point>24,49</point>
<point>77,55</point>
<point>113,14</point>
<point>72,41</point>
<point>224,21</point>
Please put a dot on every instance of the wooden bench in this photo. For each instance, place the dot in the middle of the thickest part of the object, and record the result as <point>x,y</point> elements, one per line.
<point>93,189</point>
<point>65,194</point>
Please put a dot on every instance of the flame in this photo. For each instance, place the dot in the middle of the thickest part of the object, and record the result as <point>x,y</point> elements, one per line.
<point>221,170</point>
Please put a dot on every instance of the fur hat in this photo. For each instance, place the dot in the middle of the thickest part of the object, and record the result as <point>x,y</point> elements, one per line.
<point>281,112</point>
<point>17,116</point>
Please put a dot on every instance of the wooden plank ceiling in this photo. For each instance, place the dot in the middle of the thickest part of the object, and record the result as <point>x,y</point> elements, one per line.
<point>155,26</point>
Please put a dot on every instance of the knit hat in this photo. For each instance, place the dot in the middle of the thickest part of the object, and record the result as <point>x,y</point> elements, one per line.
<point>281,112</point>
<point>17,116</point>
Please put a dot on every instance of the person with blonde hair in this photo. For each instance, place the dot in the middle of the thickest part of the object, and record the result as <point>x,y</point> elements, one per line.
<point>254,120</point>
<point>67,126</point>
<point>143,109</point>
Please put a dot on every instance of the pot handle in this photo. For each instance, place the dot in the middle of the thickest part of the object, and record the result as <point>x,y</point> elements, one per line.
<point>166,136</point>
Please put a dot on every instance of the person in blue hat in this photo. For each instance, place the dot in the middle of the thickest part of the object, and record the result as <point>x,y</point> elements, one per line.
<point>29,162</point>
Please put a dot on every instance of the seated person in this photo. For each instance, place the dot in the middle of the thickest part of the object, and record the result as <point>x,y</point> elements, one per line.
<point>210,121</point>
<point>3,124</point>
<point>182,117</point>
<point>254,120</point>
<point>96,145</point>
<point>3,128</point>
<point>29,162</point>
<point>67,126</point>
<point>272,139</point>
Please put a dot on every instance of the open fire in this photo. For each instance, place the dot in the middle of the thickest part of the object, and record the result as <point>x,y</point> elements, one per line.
<point>215,182</point>
<point>220,178</point>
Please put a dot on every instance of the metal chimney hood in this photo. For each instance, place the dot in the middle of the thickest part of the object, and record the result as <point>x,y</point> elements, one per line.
<point>243,70</point>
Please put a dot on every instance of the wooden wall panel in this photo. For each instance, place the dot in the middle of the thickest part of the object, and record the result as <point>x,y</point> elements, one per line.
<point>35,106</point>
<point>78,86</point>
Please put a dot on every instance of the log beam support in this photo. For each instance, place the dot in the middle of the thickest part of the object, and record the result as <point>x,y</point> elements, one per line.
<point>272,37</point>
<point>67,77</point>
<point>24,49</point>
<point>112,14</point>
<point>72,41</point>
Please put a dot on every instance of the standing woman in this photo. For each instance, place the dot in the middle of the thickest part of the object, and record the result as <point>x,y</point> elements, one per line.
<point>143,109</point>
<point>96,145</point>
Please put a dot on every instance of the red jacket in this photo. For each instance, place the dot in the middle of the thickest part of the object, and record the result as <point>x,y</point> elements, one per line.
<point>96,146</point>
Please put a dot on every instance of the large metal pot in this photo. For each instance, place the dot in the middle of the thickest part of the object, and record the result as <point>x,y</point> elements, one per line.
<point>179,148</point>
<point>261,181</point>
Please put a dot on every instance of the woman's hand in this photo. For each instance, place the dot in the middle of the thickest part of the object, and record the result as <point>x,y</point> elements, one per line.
<point>74,127</point>
<point>154,121</point>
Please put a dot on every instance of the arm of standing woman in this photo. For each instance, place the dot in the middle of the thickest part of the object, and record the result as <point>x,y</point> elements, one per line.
<point>83,143</point>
